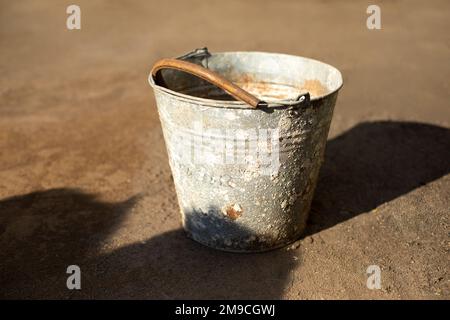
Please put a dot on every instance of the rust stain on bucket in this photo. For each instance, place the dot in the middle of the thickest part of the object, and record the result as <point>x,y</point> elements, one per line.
<point>268,90</point>
<point>314,87</point>
<point>233,211</point>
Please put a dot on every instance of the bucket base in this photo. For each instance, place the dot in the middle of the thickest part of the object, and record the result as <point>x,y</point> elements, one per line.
<point>249,250</point>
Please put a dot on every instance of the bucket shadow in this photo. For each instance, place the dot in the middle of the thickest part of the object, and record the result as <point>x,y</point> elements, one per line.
<point>373,163</point>
<point>170,266</point>
<point>42,233</point>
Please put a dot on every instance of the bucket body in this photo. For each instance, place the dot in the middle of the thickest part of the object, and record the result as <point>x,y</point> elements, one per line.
<point>245,177</point>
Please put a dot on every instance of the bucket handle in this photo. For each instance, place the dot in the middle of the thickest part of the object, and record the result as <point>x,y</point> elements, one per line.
<point>210,76</point>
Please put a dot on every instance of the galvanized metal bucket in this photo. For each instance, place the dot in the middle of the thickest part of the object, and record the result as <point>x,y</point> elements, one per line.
<point>245,134</point>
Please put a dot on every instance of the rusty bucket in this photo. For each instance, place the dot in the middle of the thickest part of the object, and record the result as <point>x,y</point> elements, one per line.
<point>245,134</point>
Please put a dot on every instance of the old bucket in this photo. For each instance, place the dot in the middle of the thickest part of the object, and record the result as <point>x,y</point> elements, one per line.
<point>245,134</point>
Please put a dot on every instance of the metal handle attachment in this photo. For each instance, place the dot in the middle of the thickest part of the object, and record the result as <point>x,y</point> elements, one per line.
<point>210,76</point>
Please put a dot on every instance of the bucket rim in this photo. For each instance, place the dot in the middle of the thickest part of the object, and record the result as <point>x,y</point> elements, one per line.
<point>231,104</point>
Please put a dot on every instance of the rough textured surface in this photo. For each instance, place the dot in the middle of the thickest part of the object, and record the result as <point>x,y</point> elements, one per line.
<point>271,175</point>
<point>84,177</point>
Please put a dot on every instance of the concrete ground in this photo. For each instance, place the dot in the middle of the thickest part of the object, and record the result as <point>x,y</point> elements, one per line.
<point>84,177</point>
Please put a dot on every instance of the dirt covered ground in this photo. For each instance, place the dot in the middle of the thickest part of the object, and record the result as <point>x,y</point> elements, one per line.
<point>84,177</point>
